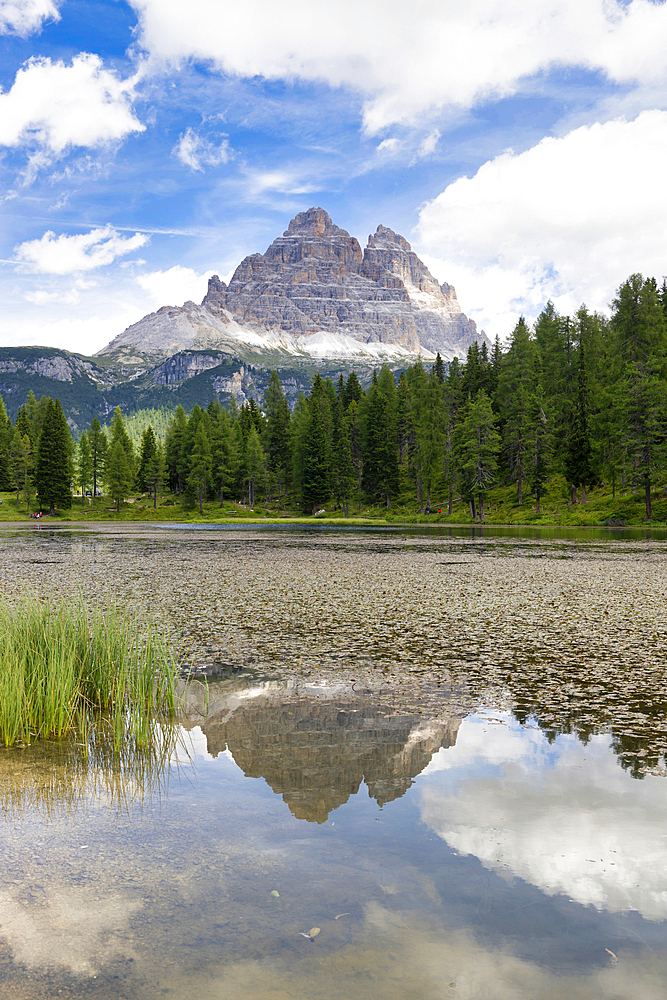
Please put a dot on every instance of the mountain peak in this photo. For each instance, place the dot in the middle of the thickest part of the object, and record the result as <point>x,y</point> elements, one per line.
<point>387,239</point>
<point>314,222</point>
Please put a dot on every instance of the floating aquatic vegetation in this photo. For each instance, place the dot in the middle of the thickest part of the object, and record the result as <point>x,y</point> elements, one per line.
<point>567,632</point>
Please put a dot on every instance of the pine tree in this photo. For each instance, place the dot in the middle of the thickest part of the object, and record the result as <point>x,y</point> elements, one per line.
<point>515,386</point>
<point>156,471</point>
<point>224,454</point>
<point>540,443</point>
<point>478,448</point>
<point>174,447</point>
<point>579,456</point>
<point>118,473</point>
<point>54,471</point>
<point>19,458</point>
<point>6,435</point>
<point>84,467</point>
<point>99,446</point>
<point>255,462</point>
<point>147,454</point>
<point>118,434</point>
<point>344,473</point>
<point>277,414</point>
<point>316,465</point>
<point>200,463</point>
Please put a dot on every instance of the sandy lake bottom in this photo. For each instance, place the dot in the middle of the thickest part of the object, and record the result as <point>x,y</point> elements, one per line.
<point>437,771</point>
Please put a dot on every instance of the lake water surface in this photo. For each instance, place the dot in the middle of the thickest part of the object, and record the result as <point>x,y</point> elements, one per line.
<point>445,753</point>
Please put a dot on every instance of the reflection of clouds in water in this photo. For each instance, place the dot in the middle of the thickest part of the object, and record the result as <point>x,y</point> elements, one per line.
<point>563,817</point>
<point>397,956</point>
<point>73,931</point>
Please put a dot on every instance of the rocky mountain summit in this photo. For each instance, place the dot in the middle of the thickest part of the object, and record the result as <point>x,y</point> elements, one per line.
<point>315,293</point>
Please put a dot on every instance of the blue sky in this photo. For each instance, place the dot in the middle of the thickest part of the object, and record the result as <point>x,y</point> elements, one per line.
<point>521,148</point>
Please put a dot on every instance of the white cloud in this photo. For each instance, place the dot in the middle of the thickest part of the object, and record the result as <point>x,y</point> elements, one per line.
<point>82,252</point>
<point>429,143</point>
<point>444,54</point>
<point>196,152</point>
<point>569,220</point>
<point>173,287</point>
<point>389,146</point>
<point>23,17</point>
<point>56,106</point>
<point>607,848</point>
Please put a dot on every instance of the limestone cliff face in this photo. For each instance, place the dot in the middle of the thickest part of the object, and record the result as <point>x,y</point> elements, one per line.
<point>441,325</point>
<point>312,279</point>
<point>315,292</point>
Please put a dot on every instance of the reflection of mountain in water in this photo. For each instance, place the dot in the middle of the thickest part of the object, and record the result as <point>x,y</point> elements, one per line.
<point>315,746</point>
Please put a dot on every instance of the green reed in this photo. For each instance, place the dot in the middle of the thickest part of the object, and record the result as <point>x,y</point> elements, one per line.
<point>61,665</point>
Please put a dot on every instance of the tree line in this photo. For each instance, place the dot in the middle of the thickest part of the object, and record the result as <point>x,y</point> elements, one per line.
<point>582,395</point>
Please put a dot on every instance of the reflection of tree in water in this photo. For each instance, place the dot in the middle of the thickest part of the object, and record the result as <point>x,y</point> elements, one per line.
<point>582,700</point>
<point>315,749</point>
<point>55,779</point>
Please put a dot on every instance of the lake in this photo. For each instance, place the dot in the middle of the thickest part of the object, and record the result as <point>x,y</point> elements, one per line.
<point>416,764</point>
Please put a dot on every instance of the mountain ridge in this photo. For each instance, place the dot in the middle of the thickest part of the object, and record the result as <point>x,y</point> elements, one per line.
<point>315,293</point>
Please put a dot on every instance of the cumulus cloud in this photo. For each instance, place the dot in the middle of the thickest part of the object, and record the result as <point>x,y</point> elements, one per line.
<point>196,152</point>
<point>444,54</point>
<point>607,849</point>
<point>568,219</point>
<point>23,17</point>
<point>174,286</point>
<point>53,254</point>
<point>58,106</point>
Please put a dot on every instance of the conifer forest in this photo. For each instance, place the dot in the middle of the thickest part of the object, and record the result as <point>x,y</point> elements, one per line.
<point>580,397</point>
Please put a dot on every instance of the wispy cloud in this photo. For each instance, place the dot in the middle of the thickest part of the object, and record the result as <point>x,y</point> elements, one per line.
<point>196,152</point>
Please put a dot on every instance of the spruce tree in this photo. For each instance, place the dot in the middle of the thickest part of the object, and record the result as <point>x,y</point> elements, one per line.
<point>53,470</point>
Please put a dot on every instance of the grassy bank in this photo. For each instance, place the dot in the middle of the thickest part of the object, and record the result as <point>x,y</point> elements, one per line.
<point>62,667</point>
<point>603,507</point>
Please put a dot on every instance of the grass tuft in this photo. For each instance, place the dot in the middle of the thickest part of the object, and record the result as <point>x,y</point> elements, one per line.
<point>62,666</point>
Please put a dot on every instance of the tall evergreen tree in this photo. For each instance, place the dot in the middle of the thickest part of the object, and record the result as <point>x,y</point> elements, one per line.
<point>200,464</point>
<point>84,466</point>
<point>515,386</point>
<point>6,435</point>
<point>478,448</point>
<point>99,446</point>
<point>277,415</point>
<point>147,453</point>
<point>53,468</point>
<point>118,473</point>
<point>19,458</point>
<point>255,462</point>
<point>316,447</point>
<point>579,456</point>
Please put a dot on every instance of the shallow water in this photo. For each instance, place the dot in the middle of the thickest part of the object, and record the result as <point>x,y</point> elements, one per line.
<point>443,848</point>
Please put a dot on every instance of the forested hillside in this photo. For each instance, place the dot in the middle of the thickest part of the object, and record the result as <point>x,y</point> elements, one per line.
<point>583,398</point>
